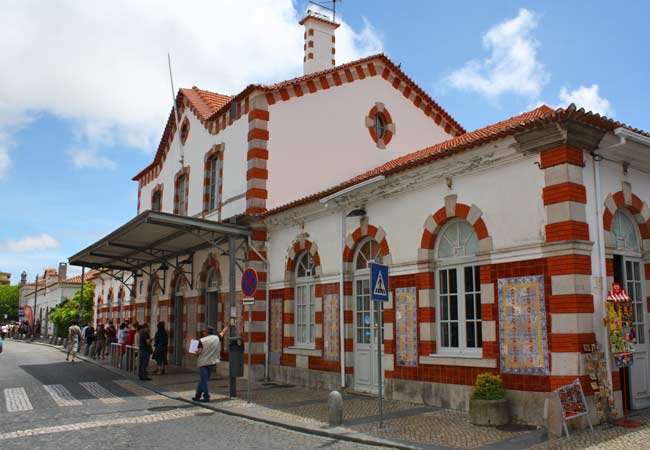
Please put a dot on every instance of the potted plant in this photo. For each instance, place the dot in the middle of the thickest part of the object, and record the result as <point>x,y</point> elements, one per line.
<point>488,404</point>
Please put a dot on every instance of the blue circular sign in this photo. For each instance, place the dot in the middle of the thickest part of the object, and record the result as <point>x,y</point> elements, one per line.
<point>249,282</point>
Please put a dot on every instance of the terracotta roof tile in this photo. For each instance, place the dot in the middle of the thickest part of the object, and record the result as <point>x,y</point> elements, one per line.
<point>531,119</point>
<point>205,102</point>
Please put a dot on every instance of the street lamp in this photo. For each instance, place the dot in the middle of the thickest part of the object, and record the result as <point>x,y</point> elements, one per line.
<point>34,310</point>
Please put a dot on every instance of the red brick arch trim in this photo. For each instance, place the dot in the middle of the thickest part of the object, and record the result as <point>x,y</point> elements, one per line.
<point>639,209</point>
<point>380,108</point>
<point>174,280</point>
<point>210,263</point>
<point>297,247</point>
<point>185,130</point>
<point>452,210</point>
<point>207,161</point>
<point>366,231</point>
<point>158,189</point>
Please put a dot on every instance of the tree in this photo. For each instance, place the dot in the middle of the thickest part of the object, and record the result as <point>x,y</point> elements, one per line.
<point>68,311</point>
<point>9,296</point>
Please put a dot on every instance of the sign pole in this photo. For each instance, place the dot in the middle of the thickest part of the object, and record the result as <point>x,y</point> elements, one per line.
<point>249,288</point>
<point>250,348</point>
<point>380,341</point>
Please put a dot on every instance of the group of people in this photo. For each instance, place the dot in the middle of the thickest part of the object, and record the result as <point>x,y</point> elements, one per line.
<point>98,341</point>
<point>13,329</point>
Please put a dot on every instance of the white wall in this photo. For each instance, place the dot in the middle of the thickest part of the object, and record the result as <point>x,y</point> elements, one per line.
<point>320,139</point>
<point>198,143</point>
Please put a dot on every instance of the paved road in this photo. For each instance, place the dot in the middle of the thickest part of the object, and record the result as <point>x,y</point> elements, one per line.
<point>48,403</point>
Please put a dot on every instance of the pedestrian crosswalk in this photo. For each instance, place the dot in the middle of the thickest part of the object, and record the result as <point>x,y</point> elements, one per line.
<point>23,398</point>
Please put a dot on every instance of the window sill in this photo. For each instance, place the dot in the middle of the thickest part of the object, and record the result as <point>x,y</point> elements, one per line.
<point>304,351</point>
<point>458,360</point>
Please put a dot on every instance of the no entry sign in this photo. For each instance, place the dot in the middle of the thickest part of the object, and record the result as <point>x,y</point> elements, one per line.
<point>249,285</point>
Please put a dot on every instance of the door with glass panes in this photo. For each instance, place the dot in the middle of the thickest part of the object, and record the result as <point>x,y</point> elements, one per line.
<point>367,338</point>
<point>640,370</point>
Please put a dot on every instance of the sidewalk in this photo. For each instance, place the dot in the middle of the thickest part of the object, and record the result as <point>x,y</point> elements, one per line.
<point>406,425</point>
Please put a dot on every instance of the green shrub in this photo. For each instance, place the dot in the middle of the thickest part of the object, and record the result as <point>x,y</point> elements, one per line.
<point>488,387</point>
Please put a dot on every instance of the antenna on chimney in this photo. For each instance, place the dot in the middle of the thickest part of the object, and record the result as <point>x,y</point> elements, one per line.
<point>332,9</point>
<point>171,80</point>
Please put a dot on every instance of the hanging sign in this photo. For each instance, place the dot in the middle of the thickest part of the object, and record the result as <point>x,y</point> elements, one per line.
<point>249,285</point>
<point>620,327</point>
<point>378,282</point>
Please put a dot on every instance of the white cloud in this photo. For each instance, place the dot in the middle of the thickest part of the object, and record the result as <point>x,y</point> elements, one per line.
<point>103,65</point>
<point>4,156</point>
<point>90,158</point>
<point>588,98</point>
<point>512,66</point>
<point>31,243</point>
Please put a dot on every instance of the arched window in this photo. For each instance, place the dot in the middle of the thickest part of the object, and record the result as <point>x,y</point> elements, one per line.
<point>180,196</point>
<point>624,232</point>
<point>459,289</point>
<point>214,177</point>
<point>212,300</point>
<point>369,251</point>
<point>305,314</point>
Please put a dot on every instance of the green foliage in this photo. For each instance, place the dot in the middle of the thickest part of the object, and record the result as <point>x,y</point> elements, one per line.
<point>488,387</point>
<point>9,296</point>
<point>68,311</point>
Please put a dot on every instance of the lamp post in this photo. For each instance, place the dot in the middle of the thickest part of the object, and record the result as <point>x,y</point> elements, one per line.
<point>81,296</point>
<point>34,310</point>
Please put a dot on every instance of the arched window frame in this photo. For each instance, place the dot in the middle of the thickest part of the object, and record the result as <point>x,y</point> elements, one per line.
<point>214,177</point>
<point>305,301</point>
<point>458,293</point>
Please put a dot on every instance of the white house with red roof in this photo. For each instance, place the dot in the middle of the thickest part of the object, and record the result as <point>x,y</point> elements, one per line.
<point>502,243</point>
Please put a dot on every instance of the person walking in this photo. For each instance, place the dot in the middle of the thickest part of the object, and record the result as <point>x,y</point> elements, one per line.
<point>122,342</point>
<point>145,351</point>
<point>100,342</point>
<point>74,337</point>
<point>160,342</point>
<point>90,340</point>
<point>208,356</point>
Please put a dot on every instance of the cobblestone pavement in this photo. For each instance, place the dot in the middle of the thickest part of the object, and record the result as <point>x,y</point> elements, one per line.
<point>606,437</point>
<point>46,403</point>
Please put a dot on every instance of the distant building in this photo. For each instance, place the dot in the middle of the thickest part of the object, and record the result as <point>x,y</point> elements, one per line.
<point>5,279</point>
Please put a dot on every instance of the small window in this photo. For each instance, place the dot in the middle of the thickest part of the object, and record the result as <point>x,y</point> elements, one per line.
<point>233,110</point>
<point>180,196</point>
<point>185,130</point>
<point>368,252</point>
<point>156,201</point>
<point>380,125</point>
<point>458,239</point>
<point>214,177</point>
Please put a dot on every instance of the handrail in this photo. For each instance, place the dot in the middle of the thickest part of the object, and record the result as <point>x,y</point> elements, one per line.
<point>124,357</point>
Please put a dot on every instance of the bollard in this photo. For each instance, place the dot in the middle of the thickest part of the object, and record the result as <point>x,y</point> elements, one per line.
<point>335,407</point>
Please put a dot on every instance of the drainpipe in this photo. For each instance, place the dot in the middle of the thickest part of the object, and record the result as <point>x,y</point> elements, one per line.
<point>600,238</point>
<point>267,268</point>
<point>341,300</point>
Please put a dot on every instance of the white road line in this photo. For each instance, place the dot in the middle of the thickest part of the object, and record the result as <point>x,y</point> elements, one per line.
<point>17,400</point>
<point>138,390</point>
<point>135,420</point>
<point>61,395</point>
<point>103,394</point>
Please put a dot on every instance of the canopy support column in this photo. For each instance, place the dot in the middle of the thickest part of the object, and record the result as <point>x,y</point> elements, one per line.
<point>232,265</point>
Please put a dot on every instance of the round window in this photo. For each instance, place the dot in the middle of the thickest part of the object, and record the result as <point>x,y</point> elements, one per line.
<point>380,125</point>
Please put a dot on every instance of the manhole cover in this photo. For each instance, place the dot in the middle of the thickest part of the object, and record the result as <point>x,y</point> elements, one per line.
<point>168,408</point>
<point>516,427</point>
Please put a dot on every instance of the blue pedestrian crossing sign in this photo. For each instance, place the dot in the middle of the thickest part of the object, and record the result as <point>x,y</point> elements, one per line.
<point>378,282</point>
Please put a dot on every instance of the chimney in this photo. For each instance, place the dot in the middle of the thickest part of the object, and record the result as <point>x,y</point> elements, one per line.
<point>319,42</point>
<point>63,271</point>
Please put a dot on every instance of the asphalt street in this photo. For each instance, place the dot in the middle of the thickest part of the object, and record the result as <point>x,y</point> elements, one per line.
<point>48,403</point>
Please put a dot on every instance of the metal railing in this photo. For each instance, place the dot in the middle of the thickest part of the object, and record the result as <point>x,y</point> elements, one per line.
<point>124,357</point>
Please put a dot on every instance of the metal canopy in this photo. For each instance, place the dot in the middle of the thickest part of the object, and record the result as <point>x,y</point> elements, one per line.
<point>155,238</point>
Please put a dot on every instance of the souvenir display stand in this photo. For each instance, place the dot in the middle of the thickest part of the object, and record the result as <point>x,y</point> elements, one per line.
<point>621,332</point>
<point>599,381</point>
<point>574,404</point>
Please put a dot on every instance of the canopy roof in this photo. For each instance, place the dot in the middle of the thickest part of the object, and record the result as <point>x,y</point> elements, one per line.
<point>154,238</point>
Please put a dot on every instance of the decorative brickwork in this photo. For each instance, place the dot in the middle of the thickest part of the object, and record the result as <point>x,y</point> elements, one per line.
<point>183,172</point>
<point>213,156</point>
<point>258,155</point>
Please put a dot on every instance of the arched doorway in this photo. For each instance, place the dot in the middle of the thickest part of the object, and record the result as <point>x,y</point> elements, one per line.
<point>178,294</point>
<point>629,271</point>
<point>366,318</point>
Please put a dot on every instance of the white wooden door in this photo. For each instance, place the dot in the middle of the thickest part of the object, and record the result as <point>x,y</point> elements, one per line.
<point>366,339</point>
<point>640,370</point>
<point>178,330</point>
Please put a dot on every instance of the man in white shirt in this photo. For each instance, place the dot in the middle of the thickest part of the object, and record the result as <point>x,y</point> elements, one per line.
<point>208,356</point>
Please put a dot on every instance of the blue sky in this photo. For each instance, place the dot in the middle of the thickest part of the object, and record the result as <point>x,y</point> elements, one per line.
<point>84,90</point>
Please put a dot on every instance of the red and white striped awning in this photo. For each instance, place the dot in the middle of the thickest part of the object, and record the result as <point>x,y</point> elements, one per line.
<point>618,296</point>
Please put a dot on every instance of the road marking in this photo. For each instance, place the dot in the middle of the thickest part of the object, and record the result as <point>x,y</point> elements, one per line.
<point>61,395</point>
<point>138,390</point>
<point>135,420</point>
<point>17,400</point>
<point>104,395</point>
